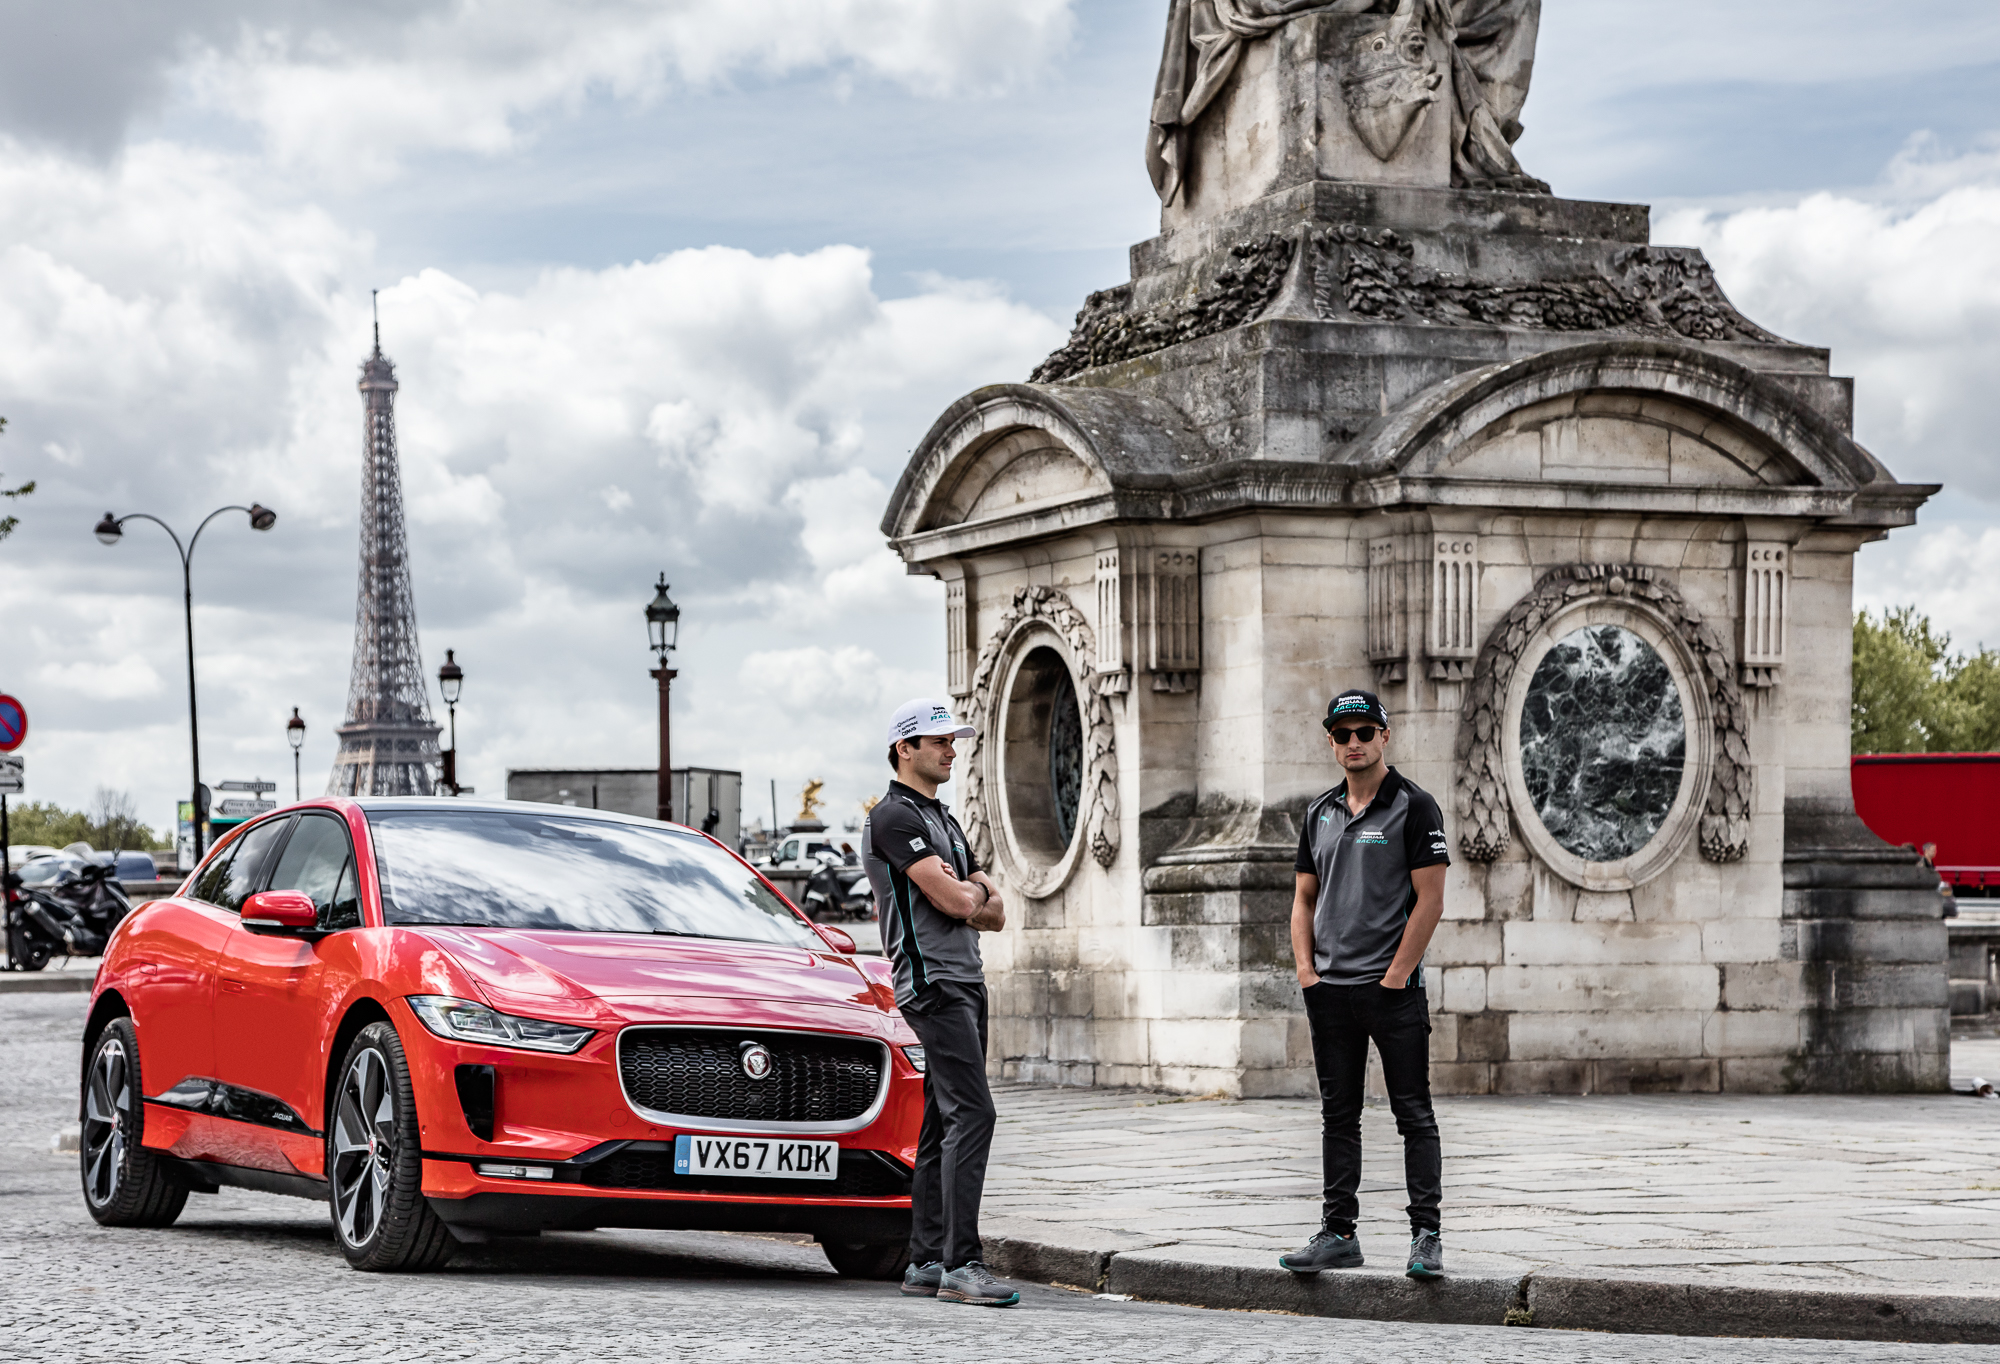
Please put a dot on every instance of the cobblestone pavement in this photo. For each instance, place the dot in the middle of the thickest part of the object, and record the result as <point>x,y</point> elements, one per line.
<point>249,1277</point>
<point>1824,1190</point>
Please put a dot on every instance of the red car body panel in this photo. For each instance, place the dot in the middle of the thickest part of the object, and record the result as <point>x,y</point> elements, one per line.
<point>261,1014</point>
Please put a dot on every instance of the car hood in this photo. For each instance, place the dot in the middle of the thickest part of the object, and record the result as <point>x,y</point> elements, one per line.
<point>536,971</point>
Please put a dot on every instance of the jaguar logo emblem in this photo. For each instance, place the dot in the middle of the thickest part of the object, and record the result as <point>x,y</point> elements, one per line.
<point>756,1060</point>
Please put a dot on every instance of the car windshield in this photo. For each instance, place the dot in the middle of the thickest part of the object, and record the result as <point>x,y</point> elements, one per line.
<point>502,869</point>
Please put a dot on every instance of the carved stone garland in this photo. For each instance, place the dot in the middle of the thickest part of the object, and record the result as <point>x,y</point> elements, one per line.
<point>1482,783</point>
<point>1100,781</point>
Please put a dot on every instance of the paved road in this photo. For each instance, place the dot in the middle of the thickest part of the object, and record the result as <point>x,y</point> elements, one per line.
<point>249,1277</point>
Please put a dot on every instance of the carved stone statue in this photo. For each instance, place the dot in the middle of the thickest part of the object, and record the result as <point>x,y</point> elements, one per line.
<point>1403,58</point>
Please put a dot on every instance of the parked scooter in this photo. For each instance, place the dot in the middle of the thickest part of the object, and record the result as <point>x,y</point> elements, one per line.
<point>69,909</point>
<point>839,890</point>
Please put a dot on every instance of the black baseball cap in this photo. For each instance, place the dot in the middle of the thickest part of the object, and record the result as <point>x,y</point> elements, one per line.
<point>1356,707</point>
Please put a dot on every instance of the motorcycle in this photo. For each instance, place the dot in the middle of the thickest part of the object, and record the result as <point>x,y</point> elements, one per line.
<point>72,908</point>
<point>839,890</point>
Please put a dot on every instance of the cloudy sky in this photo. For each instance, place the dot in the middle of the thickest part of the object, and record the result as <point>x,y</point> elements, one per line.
<point>675,285</point>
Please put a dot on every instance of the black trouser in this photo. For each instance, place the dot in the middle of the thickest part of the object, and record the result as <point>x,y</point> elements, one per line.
<point>1344,1018</point>
<point>949,1018</point>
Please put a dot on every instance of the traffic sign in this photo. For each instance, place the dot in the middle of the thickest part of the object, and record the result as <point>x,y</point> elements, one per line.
<point>243,809</point>
<point>13,774</point>
<point>13,724</point>
<point>258,786</point>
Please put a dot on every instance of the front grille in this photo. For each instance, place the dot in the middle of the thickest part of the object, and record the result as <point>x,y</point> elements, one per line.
<point>698,1073</point>
<point>650,1165</point>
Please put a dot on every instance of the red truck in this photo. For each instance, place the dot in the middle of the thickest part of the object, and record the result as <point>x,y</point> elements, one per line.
<point>1945,805</point>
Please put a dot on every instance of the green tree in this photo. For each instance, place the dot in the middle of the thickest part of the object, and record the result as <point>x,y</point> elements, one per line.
<point>7,523</point>
<point>1912,694</point>
<point>110,822</point>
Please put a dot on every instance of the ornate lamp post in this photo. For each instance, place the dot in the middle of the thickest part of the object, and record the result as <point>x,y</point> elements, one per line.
<point>663,626</point>
<point>110,531</point>
<point>450,678</point>
<point>295,731</point>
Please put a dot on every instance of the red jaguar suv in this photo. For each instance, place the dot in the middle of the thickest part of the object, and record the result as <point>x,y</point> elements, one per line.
<point>452,1020</point>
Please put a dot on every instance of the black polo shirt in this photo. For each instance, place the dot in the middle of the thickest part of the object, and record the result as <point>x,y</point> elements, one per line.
<point>902,830</point>
<point>1364,863</point>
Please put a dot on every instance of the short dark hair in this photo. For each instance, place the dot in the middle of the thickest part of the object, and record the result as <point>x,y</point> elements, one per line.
<point>915,740</point>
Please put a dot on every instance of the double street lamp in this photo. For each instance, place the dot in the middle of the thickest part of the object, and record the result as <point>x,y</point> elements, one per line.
<point>663,627</point>
<point>110,531</point>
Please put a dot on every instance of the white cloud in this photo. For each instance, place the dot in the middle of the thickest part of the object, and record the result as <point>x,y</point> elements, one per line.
<point>1951,573</point>
<point>733,419</point>
<point>1907,297</point>
<point>355,98</point>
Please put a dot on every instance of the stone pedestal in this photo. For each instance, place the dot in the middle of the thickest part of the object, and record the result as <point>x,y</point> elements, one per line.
<point>1441,443</point>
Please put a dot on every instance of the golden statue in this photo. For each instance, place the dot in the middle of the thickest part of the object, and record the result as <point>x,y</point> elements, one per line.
<point>809,802</point>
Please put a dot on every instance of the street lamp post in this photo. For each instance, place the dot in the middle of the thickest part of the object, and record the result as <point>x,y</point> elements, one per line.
<point>295,731</point>
<point>663,626</point>
<point>110,531</point>
<point>450,678</point>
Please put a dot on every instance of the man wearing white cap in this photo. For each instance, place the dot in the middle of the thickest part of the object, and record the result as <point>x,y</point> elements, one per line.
<point>934,902</point>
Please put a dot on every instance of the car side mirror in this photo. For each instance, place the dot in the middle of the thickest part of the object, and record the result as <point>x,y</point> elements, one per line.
<point>839,941</point>
<point>280,911</point>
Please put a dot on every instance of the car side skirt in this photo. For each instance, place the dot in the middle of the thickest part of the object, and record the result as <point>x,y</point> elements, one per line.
<point>205,1176</point>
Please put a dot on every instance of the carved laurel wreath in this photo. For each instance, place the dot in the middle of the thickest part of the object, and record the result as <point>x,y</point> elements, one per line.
<point>1482,784</point>
<point>1100,782</point>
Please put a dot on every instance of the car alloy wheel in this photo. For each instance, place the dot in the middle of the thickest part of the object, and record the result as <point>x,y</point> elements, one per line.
<point>374,1163</point>
<point>124,1184</point>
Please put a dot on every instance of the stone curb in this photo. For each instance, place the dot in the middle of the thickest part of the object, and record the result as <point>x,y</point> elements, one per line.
<point>46,982</point>
<point>1106,1261</point>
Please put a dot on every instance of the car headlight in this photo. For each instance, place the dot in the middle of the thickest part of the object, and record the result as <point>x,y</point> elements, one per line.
<point>915,1056</point>
<point>460,1020</point>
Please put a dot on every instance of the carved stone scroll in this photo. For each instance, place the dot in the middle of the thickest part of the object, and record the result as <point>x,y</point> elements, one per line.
<point>957,639</point>
<point>1100,777</point>
<point>1171,596</point>
<point>1388,653</point>
<point>1482,802</point>
<point>1766,604</point>
<point>1450,642</point>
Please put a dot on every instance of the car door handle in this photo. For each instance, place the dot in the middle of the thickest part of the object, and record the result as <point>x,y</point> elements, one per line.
<point>234,987</point>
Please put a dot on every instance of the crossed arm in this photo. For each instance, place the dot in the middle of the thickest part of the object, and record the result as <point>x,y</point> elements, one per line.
<point>977,901</point>
<point>1429,885</point>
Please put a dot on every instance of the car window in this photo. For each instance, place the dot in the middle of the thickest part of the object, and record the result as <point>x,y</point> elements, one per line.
<point>209,887</point>
<point>318,862</point>
<point>253,849</point>
<point>505,870</point>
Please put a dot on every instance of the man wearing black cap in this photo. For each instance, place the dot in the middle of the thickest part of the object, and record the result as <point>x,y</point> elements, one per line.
<point>1370,891</point>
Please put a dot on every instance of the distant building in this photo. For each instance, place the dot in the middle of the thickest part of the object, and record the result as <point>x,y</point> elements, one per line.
<point>700,793</point>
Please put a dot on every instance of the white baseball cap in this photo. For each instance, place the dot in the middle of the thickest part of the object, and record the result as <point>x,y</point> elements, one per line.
<point>915,719</point>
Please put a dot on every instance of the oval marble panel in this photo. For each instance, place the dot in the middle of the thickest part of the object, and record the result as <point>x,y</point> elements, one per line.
<point>1603,742</point>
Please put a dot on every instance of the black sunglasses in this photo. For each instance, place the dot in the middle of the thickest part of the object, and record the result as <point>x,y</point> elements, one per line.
<point>1365,733</point>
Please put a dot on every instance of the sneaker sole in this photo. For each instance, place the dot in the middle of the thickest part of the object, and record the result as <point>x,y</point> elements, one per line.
<point>911,1291</point>
<point>1010,1300</point>
<point>1419,1272</point>
<point>1354,1263</point>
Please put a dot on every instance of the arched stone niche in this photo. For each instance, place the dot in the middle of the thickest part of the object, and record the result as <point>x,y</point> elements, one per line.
<point>1035,678</point>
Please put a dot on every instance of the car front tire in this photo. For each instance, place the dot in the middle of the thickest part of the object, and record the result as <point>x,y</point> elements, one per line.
<point>374,1161</point>
<point>124,1184</point>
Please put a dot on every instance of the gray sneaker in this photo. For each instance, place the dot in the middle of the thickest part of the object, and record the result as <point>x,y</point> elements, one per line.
<point>974,1286</point>
<point>1426,1256</point>
<point>921,1281</point>
<point>1326,1250</point>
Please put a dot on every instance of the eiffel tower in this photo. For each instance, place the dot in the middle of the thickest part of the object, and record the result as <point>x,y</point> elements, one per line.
<point>389,744</point>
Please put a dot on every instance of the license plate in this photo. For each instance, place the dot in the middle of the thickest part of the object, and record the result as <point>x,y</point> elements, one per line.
<point>756,1157</point>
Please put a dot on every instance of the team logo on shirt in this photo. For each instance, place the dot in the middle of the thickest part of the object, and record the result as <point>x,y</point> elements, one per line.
<point>1372,836</point>
<point>918,844</point>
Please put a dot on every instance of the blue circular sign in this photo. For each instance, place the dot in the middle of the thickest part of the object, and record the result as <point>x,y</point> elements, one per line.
<point>13,724</point>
